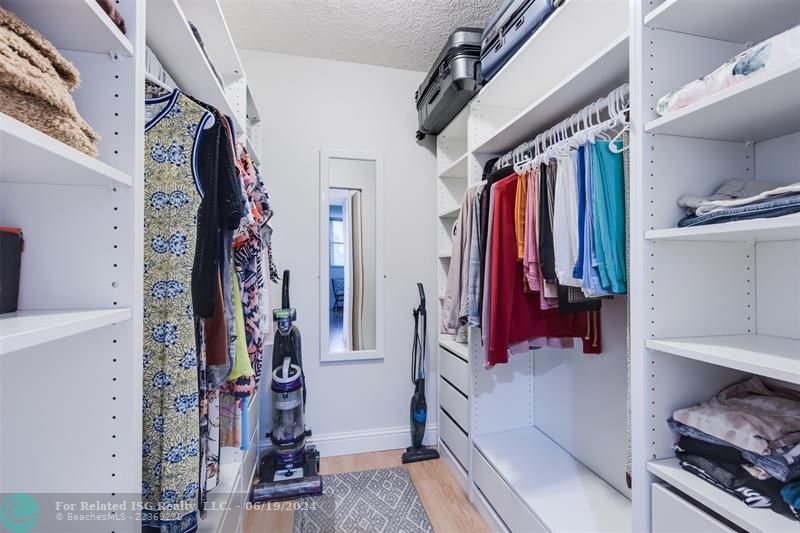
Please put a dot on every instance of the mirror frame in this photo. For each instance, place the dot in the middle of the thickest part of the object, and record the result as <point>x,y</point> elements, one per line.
<point>325,355</point>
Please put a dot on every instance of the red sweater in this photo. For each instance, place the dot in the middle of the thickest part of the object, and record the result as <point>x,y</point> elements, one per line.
<point>515,313</point>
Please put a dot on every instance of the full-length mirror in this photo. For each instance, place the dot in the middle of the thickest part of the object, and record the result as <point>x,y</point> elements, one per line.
<point>351,273</point>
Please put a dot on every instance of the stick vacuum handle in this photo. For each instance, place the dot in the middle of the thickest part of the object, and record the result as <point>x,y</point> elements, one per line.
<point>421,298</point>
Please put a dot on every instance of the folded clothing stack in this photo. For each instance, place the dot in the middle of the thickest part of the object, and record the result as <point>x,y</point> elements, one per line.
<point>741,199</point>
<point>767,55</point>
<point>745,441</point>
<point>114,14</point>
<point>35,85</point>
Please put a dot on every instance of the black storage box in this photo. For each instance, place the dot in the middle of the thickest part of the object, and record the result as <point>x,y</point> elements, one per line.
<point>451,83</point>
<point>10,259</point>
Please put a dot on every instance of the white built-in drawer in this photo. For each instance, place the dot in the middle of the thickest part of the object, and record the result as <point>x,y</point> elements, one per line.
<point>454,438</point>
<point>514,512</point>
<point>673,514</point>
<point>454,403</point>
<point>454,369</point>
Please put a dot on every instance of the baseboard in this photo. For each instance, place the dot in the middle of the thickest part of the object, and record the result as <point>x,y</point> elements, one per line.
<point>375,440</point>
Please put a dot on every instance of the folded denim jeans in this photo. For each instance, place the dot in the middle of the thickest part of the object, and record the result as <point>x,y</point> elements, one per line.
<point>774,207</point>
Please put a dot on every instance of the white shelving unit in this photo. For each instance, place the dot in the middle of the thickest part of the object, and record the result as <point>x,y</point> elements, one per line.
<point>760,108</point>
<point>784,228</point>
<point>717,302</point>
<point>520,464</point>
<point>739,21</point>
<point>25,329</point>
<point>172,40</point>
<point>750,519</point>
<point>97,33</point>
<point>774,357</point>
<point>56,163</point>
<point>710,305</point>
<point>552,483</point>
<point>80,308</point>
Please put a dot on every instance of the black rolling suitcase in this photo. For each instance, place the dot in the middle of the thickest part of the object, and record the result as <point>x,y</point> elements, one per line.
<point>451,83</point>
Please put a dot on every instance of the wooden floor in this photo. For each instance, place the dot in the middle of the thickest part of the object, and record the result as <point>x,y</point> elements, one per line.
<point>446,504</point>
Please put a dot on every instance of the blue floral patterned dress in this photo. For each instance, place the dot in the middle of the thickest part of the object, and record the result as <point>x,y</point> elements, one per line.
<point>171,429</point>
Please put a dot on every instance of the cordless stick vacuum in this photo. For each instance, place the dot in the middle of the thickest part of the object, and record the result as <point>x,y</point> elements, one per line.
<point>419,407</point>
<point>290,468</point>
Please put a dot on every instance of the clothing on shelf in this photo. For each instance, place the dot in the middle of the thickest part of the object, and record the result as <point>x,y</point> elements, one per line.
<point>751,415</point>
<point>765,56</point>
<point>35,85</point>
<point>744,440</point>
<point>777,465</point>
<point>741,199</point>
<point>114,14</point>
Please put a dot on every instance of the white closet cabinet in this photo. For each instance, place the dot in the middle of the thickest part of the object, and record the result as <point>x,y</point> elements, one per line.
<point>71,358</point>
<point>709,305</point>
<point>719,302</point>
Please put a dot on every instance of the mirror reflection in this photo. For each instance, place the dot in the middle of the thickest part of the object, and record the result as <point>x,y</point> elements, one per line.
<point>351,255</point>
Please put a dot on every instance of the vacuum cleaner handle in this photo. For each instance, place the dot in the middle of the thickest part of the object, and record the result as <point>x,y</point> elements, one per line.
<point>421,298</point>
<point>285,293</point>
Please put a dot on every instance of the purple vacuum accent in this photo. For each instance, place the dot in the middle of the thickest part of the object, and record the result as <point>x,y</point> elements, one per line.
<point>292,386</point>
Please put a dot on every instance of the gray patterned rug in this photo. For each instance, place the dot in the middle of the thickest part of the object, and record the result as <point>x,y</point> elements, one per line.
<point>374,501</point>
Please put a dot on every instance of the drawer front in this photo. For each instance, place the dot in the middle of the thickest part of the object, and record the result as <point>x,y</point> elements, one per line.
<point>507,505</point>
<point>454,438</point>
<point>455,370</point>
<point>673,514</point>
<point>455,404</point>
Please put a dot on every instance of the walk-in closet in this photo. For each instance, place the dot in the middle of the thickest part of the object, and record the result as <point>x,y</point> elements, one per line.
<point>368,266</point>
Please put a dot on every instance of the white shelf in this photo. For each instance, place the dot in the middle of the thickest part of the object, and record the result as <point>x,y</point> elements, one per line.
<point>595,79</point>
<point>79,25</point>
<point>172,40</point>
<point>25,329</point>
<point>55,162</point>
<point>457,170</point>
<point>544,61</point>
<point>450,344</point>
<point>762,107</point>
<point>450,213</point>
<point>784,228</point>
<point>561,491</point>
<point>738,21</point>
<point>252,152</point>
<point>764,355</point>
<point>207,17</point>
<point>457,129</point>
<point>722,503</point>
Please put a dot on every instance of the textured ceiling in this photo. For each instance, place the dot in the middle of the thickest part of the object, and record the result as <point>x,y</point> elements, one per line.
<point>406,34</point>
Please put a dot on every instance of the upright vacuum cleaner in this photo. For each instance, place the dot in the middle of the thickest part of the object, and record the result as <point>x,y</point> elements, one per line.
<point>419,407</point>
<point>291,468</point>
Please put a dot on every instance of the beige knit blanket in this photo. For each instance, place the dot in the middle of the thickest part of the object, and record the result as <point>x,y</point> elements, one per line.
<point>35,85</point>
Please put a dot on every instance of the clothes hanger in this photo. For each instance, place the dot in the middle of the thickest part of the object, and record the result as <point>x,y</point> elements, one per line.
<point>623,120</point>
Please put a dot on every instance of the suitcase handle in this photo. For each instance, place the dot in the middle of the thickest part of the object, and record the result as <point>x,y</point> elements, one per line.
<point>435,94</point>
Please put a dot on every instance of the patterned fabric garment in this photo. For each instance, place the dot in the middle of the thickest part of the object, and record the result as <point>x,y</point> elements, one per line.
<point>171,432</point>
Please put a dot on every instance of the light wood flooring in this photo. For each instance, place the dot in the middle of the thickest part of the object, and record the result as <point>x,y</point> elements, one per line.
<point>446,504</point>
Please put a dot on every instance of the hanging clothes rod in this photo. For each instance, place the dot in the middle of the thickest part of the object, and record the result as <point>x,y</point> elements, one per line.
<point>152,79</point>
<point>587,119</point>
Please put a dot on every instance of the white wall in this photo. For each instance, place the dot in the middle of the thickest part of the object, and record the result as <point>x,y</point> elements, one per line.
<point>309,104</point>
